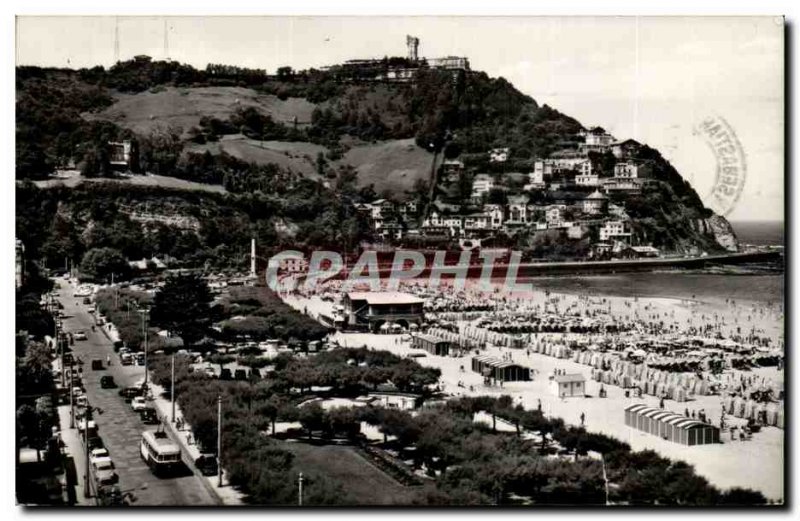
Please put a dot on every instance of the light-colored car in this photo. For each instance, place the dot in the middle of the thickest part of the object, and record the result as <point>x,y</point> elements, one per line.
<point>80,335</point>
<point>138,403</point>
<point>98,453</point>
<point>103,462</point>
<point>104,470</point>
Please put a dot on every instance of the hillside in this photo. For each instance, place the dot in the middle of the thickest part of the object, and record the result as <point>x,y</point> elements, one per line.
<point>343,130</point>
<point>297,156</point>
<point>392,167</point>
<point>184,107</point>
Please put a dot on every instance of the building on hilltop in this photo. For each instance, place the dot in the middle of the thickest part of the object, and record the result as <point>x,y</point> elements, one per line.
<point>626,170</point>
<point>482,184</point>
<point>627,149</point>
<point>119,154</point>
<point>595,203</point>
<point>412,42</point>
<point>449,63</point>
<point>596,139</point>
<point>614,230</point>
<point>498,155</point>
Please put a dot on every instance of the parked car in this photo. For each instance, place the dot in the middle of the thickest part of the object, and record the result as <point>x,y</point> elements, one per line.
<point>240,374</point>
<point>81,400</point>
<point>225,374</point>
<point>129,393</point>
<point>207,464</point>
<point>138,403</point>
<point>95,454</point>
<point>95,442</point>
<point>107,382</point>
<point>210,372</point>
<point>104,472</point>
<point>87,300</point>
<point>149,416</point>
<point>80,335</point>
<point>139,358</point>
<point>126,359</point>
<point>97,364</point>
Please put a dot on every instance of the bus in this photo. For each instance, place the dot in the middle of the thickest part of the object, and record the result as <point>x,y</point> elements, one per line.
<point>160,453</point>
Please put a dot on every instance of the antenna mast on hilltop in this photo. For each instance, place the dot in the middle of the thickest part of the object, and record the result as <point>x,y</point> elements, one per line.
<point>116,39</point>
<point>166,41</point>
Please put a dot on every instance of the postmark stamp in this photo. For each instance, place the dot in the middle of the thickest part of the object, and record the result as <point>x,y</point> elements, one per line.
<point>731,169</point>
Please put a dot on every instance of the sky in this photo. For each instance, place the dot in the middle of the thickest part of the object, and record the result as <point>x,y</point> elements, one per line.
<point>653,79</point>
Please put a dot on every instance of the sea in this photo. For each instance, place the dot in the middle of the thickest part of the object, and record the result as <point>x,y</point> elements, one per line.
<point>759,233</point>
<point>756,283</point>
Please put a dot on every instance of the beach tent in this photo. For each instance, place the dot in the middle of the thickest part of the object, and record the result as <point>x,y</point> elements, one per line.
<point>670,426</point>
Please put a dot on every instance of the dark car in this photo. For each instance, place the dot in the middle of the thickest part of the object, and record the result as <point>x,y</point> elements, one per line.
<point>240,374</point>
<point>129,393</point>
<point>225,374</point>
<point>95,442</point>
<point>149,416</point>
<point>97,364</point>
<point>207,464</point>
<point>87,300</point>
<point>107,382</point>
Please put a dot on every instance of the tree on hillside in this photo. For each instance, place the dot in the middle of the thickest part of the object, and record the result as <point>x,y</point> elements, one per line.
<point>182,307</point>
<point>101,263</point>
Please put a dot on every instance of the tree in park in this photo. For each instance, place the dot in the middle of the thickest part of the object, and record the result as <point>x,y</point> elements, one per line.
<point>312,417</point>
<point>101,264</point>
<point>182,307</point>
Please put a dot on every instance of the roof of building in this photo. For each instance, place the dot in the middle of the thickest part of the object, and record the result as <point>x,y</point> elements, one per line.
<point>384,297</point>
<point>496,362</point>
<point>596,195</point>
<point>664,416</point>
<point>627,142</point>
<point>565,378</point>
<point>454,162</point>
<point>432,339</point>
<point>567,154</point>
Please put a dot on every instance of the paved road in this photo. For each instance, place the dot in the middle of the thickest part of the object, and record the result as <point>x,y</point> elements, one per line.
<point>117,424</point>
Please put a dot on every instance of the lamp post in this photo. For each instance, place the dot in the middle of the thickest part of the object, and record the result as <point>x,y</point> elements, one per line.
<point>300,490</point>
<point>219,440</point>
<point>172,388</point>
<point>71,398</point>
<point>145,316</point>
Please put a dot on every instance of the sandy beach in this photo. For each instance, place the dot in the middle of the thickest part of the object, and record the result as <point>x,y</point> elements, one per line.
<point>757,463</point>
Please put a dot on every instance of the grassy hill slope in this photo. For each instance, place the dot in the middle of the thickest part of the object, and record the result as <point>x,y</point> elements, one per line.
<point>392,166</point>
<point>183,107</point>
<point>298,156</point>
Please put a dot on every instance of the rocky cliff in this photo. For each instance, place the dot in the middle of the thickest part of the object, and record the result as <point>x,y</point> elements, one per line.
<point>722,231</point>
